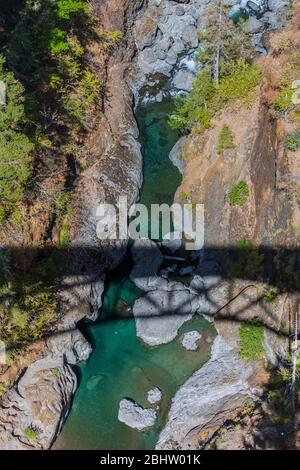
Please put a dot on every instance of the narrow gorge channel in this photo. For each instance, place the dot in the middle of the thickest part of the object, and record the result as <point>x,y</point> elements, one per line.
<point>121,366</point>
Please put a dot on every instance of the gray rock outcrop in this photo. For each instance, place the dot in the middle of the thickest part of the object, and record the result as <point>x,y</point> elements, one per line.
<point>41,398</point>
<point>134,416</point>
<point>160,314</point>
<point>190,340</point>
<point>219,390</point>
<point>154,396</point>
<point>166,36</point>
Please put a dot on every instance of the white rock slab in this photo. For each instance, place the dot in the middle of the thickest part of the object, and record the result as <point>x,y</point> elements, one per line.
<point>134,416</point>
<point>154,396</point>
<point>190,340</point>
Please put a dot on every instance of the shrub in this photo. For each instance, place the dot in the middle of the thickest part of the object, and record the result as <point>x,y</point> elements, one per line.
<point>115,36</point>
<point>186,196</point>
<point>283,101</point>
<point>61,202</point>
<point>57,41</point>
<point>64,239</point>
<point>31,433</point>
<point>67,8</point>
<point>249,262</point>
<point>196,109</point>
<point>78,103</point>
<point>18,318</point>
<point>14,167</point>
<point>293,140</point>
<point>239,83</point>
<point>251,335</point>
<point>225,140</point>
<point>31,308</point>
<point>270,295</point>
<point>238,194</point>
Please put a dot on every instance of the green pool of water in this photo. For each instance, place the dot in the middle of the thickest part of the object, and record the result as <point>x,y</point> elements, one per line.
<point>161,177</point>
<point>121,366</point>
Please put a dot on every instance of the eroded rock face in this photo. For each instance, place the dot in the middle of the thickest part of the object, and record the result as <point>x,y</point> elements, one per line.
<point>166,31</point>
<point>215,393</point>
<point>42,406</point>
<point>40,400</point>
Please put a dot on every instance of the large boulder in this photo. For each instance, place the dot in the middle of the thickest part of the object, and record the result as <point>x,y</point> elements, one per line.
<point>134,416</point>
<point>160,314</point>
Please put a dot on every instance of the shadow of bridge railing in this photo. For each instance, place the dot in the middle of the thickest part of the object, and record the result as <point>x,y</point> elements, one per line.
<point>36,282</point>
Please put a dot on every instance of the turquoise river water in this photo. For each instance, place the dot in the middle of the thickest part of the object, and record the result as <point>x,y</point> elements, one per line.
<point>121,366</point>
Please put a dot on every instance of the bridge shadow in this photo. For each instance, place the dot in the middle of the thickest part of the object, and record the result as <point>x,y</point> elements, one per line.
<point>40,287</point>
<point>230,282</point>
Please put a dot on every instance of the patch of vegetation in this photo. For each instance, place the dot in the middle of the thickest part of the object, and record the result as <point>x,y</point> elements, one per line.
<point>64,238</point>
<point>225,140</point>
<point>249,262</point>
<point>287,275</point>
<point>238,194</point>
<point>293,140</point>
<point>186,196</point>
<point>206,98</point>
<point>115,36</point>
<point>61,203</point>
<point>28,305</point>
<point>31,433</point>
<point>223,42</point>
<point>251,335</point>
<point>15,145</point>
<point>50,86</point>
<point>4,269</point>
<point>283,101</point>
<point>270,296</point>
<point>3,387</point>
<point>278,400</point>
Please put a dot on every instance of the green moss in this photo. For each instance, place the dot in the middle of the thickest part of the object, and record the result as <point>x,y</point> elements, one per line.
<point>225,139</point>
<point>251,335</point>
<point>238,194</point>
